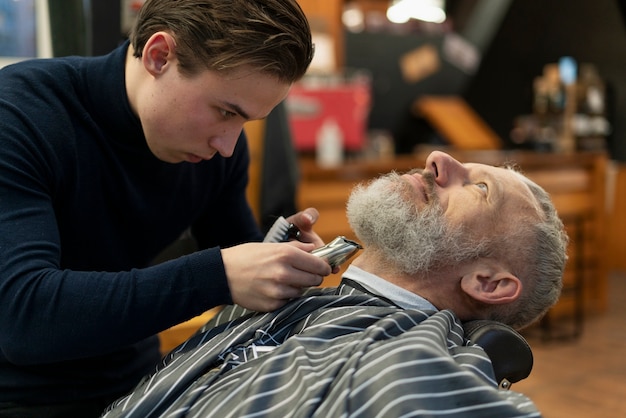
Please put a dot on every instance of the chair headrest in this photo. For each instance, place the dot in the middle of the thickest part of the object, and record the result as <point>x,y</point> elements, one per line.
<point>510,354</point>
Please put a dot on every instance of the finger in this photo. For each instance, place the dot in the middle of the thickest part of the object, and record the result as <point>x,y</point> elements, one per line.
<point>279,295</point>
<point>282,295</point>
<point>303,280</point>
<point>291,292</point>
<point>304,246</point>
<point>310,236</point>
<point>308,246</point>
<point>268,296</point>
<point>305,219</point>
<point>310,216</point>
<point>307,262</point>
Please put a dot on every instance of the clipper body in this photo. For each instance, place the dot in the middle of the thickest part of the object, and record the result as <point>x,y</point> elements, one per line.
<point>337,251</point>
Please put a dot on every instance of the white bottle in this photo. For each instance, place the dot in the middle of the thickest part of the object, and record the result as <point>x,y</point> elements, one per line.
<point>329,144</point>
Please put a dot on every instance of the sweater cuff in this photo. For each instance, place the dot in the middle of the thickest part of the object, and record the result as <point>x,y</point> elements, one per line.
<point>207,269</point>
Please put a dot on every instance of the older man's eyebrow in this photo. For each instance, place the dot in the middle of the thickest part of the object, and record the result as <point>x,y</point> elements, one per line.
<point>480,173</point>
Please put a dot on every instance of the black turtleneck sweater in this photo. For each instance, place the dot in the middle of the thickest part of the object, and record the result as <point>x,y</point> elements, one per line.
<point>84,208</point>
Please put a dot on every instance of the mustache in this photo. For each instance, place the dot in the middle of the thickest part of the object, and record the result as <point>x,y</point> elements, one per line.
<point>428,178</point>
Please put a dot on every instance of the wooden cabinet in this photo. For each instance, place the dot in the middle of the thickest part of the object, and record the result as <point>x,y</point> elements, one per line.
<point>576,183</point>
<point>616,232</point>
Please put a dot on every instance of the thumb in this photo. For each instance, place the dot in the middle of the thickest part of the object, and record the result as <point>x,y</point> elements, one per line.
<point>307,218</point>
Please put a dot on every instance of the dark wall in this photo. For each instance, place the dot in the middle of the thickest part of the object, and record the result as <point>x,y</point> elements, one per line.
<point>536,32</point>
<point>68,26</point>
<point>84,27</point>
<point>380,53</point>
<point>392,96</point>
<point>106,24</point>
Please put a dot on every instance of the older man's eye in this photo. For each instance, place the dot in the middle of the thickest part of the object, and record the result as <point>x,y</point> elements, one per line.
<point>483,186</point>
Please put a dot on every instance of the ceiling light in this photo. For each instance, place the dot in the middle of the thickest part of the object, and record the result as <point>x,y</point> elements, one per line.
<point>401,11</point>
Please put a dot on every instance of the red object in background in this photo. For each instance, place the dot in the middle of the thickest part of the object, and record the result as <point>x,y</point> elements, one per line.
<point>348,103</point>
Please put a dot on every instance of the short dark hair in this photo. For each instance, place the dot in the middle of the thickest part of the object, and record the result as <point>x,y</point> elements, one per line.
<point>270,36</point>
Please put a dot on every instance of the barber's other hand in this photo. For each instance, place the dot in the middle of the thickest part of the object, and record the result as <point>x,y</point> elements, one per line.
<point>263,276</point>
<point>305,220</point>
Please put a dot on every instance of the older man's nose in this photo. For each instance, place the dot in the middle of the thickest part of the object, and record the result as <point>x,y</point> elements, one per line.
<point>444,168</point>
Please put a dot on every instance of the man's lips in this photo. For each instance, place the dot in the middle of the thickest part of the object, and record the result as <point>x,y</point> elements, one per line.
<point>193,158</point>
<point>416,181</point>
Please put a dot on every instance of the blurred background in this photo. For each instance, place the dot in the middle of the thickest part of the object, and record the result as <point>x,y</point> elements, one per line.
<point>540,83</point>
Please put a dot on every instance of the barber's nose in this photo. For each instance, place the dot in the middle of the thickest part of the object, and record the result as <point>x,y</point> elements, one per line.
<point>225,143</point>
<point>445,168</point>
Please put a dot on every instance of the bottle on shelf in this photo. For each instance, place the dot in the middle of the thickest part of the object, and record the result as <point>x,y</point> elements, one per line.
<point>329,144</point>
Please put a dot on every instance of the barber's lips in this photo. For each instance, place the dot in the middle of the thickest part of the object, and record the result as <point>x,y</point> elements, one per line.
<point>193,158</point>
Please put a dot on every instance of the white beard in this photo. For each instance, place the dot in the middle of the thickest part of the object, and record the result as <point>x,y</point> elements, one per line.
<point>384,215</point>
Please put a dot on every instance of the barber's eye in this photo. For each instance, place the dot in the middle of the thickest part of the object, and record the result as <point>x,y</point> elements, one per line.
<point>483,186</point>
<point>227,114</point>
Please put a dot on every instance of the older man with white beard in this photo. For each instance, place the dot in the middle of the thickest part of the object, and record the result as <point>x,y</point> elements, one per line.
<point>483,241</point>
<point>443,245</point>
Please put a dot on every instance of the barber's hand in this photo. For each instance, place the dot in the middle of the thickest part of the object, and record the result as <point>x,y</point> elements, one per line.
<point>305,220</point>
<point>265,276</point>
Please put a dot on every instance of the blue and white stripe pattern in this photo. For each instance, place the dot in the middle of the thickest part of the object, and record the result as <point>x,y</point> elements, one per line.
<point>333,353</point>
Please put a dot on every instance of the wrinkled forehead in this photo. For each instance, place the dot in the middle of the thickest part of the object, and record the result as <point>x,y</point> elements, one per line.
<point>512,188</point>
<point>526,190</point>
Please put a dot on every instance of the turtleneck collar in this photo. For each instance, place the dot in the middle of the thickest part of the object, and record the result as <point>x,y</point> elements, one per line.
<point>111,104</point>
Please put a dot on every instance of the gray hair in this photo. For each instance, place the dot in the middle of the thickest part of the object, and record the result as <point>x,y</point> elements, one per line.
<point>540,262</point>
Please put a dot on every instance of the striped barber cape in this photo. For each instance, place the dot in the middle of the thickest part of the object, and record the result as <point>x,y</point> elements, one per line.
<point>332,353</point>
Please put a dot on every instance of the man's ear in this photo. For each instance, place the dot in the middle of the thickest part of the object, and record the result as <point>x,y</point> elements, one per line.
<point>491,286</point>
<point>159,51</point>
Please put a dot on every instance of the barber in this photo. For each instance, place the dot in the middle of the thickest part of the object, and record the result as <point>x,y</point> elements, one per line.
<point>104,162</point>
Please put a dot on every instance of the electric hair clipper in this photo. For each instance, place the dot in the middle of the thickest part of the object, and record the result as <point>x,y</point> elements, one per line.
<point>337,251</point>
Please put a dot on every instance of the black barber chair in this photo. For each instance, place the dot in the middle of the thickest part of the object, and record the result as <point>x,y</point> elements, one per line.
<point>509,352</point>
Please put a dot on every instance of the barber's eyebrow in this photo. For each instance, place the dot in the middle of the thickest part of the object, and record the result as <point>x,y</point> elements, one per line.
<point>238,110</point>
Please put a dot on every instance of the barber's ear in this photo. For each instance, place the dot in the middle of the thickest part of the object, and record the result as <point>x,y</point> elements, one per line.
<point>492,286</point>
<point>159,51</point>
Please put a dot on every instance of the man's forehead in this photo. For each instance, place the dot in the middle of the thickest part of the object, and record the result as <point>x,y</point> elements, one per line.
<point>519,185</point>
<point>510,181</point>
<point>498,173</point>
<point>480,166</point>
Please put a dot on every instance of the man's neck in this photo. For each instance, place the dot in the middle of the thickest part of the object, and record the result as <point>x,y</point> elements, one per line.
<point>378,266</point>
<point>387,290</point>
<point>438,287</point>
